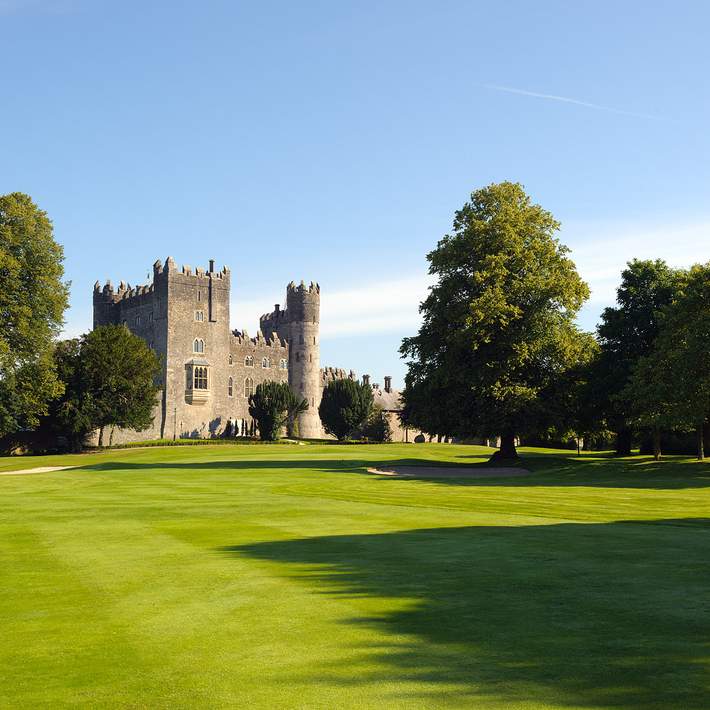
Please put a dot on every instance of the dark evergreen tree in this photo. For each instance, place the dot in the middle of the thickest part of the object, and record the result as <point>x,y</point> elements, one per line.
<point>272,405</point>
<point>345,407</point>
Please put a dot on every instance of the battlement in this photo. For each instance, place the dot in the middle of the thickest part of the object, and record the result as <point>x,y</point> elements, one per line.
<point>330,374</point>
<point>302,288</point>
<point>259,340</point>
<point>123,293</point>
<point>171,267</point>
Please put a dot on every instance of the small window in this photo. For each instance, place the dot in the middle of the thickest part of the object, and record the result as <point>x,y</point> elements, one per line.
<point>200,378</point>
<point>150,317</point>
<point>298,357</point>
<point>231,359</point>
<point>138,321</point>
<point>283,364</point>
<point>230,387</point>
<point>199,295</point>
<point>199,316</point>
<point>249,361</point>
<point>248,387</point>
<point>198,346</point>
<point>265,362</point>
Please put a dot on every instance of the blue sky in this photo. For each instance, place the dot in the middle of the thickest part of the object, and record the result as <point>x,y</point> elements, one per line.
<point>333,141</point>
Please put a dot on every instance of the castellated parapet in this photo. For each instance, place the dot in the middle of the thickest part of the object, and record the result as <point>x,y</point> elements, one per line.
<point>208,369</point>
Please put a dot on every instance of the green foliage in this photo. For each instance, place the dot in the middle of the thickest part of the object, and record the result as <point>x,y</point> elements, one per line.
<point>498,326</point>
<point>109,378</point>
<point>627,333</point>
<point>33,298</point>
<point>670,386</point>
<point>377,428</point>
<point>272,405</point>
<point>345,407</point>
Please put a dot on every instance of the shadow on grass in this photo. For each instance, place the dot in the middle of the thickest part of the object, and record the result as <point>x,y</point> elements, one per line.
<point>563,469</point>
<point>602,615</point>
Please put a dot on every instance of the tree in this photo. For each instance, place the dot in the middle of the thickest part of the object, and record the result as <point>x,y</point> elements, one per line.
<point>345,407</point>
<point>670,387</point>
<point>33,299</point>
<point>377,427</point>
<point>272,405</point>
<point>627,333</point>
<point>498,324</point>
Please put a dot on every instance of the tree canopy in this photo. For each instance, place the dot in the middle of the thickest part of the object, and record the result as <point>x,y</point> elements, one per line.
<point>272,405</point>
<point>627,332</point>
<point>345,407</point>
<point>498,324</point>
<point>110,380</point>
<point>33,298</point>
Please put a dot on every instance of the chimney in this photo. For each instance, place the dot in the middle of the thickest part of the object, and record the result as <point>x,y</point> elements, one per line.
<point>366,380</point>
<point>277,307</point>
<point>211,265</point>
<point>388,383</point>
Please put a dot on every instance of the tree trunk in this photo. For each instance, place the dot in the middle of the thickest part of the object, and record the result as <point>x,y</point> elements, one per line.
<point>623,442</point>
<point>656,444</point>
<point>101,436</point>
<point>701,444</point>
<point>507,451</point>
<point>110,437</point>
<point>706,435</point>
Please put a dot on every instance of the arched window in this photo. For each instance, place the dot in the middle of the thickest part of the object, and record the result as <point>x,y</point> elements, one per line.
<point>138,320</point>
<point>249,361</point>
<point>265,362</point>
<point>198,346</point>
<point>230,387</point>
<point>199,316</point>
<point>200,378</point>
<point>248,387</point>
<point>231,359</point>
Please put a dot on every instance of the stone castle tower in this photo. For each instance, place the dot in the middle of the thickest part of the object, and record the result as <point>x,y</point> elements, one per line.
<point>209,370</point>
<point>299,326</point>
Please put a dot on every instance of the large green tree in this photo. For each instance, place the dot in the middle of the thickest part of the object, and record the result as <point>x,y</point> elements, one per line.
<point>627,333</point>
<point>272,405</point>
<point>110,381</point>
<point>498,324</point>
<point>33,299</point>
<point>670,386</point>
<point>345,407</point>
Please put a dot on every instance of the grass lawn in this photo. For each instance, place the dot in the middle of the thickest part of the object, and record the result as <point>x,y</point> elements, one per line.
<point>286,576</point>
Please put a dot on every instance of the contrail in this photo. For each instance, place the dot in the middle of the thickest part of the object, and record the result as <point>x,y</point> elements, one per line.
<point>567,100</point>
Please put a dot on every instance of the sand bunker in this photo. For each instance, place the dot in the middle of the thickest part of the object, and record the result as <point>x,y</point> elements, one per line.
<point>449,472</point>
<point>40,469</point>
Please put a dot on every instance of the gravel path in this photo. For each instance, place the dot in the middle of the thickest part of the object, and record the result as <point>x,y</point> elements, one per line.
<point>449,472</point>
<point>40,469</point>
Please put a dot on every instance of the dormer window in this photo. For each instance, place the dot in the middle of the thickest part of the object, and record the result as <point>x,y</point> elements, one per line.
<point>198,345</point>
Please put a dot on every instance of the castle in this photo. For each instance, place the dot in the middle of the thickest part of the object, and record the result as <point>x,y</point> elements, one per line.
<point>209,370</point>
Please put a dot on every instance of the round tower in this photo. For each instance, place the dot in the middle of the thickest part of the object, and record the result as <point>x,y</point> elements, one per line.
<point>303,309</point>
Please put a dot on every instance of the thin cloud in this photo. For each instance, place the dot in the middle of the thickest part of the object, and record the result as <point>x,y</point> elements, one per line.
<point>568,100</point>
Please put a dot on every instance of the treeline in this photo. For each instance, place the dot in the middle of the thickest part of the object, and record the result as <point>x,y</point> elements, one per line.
<point>499,352</point>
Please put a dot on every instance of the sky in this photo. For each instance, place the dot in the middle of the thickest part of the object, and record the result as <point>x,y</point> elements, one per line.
<point>333,142</point>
